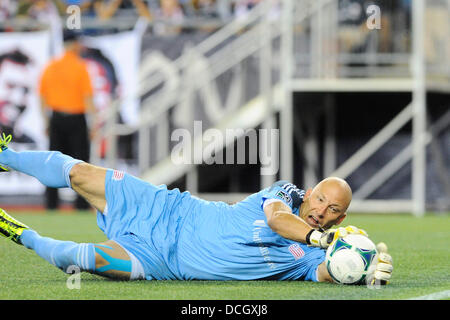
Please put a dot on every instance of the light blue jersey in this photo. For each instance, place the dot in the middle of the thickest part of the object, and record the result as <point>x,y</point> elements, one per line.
<point>225,242</point>
<point>177,236</point>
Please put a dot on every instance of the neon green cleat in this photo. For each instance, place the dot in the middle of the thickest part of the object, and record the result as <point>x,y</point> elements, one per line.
<point>10,227</point>
<point>4,141</point>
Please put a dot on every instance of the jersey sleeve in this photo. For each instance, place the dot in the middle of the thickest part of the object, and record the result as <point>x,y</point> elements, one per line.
<point>312,271</point>
<point>285,192</point>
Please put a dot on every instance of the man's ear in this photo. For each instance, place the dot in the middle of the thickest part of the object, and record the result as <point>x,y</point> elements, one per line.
<point>307,193</point>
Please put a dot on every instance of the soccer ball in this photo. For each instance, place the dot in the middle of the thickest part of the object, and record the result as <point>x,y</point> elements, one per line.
<point>348,259</point>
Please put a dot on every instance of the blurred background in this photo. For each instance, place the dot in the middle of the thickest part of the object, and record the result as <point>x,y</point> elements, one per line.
<point>356,89</point>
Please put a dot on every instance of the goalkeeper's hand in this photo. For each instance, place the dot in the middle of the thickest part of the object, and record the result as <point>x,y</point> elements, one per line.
<point>323,239</point>
<point>380,271</point>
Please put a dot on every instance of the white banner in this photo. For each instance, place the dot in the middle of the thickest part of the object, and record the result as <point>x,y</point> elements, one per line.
<point>123,52</point>
<point>113,63</point>
<point>22,57</point>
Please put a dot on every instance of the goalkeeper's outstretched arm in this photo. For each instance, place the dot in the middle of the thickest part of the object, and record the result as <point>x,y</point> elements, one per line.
<point>282,221</point>
<point>290,226</point>
<point>322,273</point>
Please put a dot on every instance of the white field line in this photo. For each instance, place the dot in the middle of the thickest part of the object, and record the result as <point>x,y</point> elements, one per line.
<point>434,296</point>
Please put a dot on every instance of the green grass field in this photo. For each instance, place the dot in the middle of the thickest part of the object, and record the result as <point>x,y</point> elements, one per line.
<point>420,248</point>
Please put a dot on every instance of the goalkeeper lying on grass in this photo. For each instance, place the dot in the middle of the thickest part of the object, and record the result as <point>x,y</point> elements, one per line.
<point>279,233</point>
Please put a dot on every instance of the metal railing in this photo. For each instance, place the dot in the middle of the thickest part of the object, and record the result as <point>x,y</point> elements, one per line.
<point>225,52</point>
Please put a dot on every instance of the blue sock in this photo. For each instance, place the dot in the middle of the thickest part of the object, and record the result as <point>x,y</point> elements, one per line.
<point>51,168</point>
<point>61,254</point>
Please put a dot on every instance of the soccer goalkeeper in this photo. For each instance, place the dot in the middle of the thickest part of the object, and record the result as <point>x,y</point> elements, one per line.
<point>278,233</point>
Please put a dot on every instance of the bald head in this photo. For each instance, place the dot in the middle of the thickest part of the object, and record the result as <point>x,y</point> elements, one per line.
<point>326,204</point>
<point>337,187</point>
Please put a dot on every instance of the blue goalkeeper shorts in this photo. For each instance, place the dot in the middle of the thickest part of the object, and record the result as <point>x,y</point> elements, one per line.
<point>144,219</point>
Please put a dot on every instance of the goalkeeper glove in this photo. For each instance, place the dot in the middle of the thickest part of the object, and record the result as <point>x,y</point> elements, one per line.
<point>380,271</point>
<point>323,239</point>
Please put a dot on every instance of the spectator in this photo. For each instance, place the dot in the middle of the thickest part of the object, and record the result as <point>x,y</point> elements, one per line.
<point>170,16</point>
<point>205,8</point>
<point>104,10</point>
<point>84,5</point>
<point>354,35</point>
<point>47,12</point>
<point>41,10</point>
<point>242,7</point>
<point>79,3</point>
<point>8,9</point>
<point>66,91</point>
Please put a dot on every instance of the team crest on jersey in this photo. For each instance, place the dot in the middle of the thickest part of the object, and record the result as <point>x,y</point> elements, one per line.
<point>284,196</point>
<point>118,175</point>
<point>294,193</point>
<point>296,251</point>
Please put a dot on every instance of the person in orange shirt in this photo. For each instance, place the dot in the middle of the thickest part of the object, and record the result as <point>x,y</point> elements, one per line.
<point>67,99</point>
